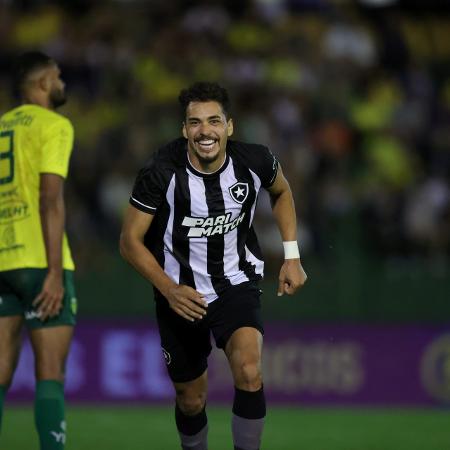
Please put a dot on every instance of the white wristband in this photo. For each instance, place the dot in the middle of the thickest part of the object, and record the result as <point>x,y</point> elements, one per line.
<point>291,250</point>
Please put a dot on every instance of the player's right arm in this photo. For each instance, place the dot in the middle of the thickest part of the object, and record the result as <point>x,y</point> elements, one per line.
<point>184,300</point>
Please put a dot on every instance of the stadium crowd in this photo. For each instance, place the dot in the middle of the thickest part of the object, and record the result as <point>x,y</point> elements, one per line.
<point>354,100</point>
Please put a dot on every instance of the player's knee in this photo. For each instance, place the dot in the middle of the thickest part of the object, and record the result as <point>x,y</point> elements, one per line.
<point>191,404</point>
<point>6,377</point>
<point>248,376</point>
<point>7,368</point>
<point>49,370</point>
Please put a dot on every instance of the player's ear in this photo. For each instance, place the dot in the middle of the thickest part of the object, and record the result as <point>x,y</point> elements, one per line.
<point>184,131</point>
<point>230,128</point>
<point>44,82</point>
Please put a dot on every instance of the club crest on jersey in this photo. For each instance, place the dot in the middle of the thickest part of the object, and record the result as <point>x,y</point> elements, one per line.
<point>239,192</point>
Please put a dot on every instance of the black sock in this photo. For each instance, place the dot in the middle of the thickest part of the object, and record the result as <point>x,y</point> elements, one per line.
<point>249,410</point>
<point>193,430</point>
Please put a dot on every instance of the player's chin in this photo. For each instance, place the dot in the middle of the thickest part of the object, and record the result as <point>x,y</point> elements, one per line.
<point>208,156</point>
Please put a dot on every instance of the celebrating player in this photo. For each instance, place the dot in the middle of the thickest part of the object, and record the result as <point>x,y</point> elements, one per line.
<point>36,267</point>
<point>188,230</point>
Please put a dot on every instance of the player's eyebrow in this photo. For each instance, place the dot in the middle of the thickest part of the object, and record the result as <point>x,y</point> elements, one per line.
<point>194,119</point>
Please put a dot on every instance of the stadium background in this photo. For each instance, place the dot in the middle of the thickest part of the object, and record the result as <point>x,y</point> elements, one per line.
<point>354,99</point>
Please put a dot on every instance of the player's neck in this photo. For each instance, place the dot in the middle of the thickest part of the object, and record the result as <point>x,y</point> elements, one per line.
<point>32,98</point>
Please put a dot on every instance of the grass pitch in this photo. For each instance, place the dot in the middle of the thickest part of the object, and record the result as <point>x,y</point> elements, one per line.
<point>143,428</point>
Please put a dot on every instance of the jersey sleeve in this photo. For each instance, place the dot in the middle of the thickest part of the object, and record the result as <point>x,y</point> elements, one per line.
<point>57,148</point>
<point>269,167</point>
<point>264,164</point>
<point>149,188</point>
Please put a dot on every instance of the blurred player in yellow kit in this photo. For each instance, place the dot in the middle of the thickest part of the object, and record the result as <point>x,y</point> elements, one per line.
<point>36,267</point>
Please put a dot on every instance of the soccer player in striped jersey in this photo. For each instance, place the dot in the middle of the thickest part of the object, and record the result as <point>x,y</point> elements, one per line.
<point>36,267</point>
<point>188,230</point>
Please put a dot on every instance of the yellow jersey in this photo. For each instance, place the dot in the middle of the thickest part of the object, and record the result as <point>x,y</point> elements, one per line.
<point>33,140</point>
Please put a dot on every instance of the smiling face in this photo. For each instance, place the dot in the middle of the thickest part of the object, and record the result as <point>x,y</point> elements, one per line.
<point>207,130</point>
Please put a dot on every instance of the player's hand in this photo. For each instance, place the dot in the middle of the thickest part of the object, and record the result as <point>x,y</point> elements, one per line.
<point>292,276</point>
<point>187,302</point>
<point>49,301</point>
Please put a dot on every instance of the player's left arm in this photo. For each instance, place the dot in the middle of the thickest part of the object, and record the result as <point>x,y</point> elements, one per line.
<point>292,276</point>
<point>56,150</point>
<point>52,212</point>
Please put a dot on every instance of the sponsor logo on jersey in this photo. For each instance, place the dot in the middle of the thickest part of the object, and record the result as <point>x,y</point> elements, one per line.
<point>12,211</point>
<point>239,192</point>
<point>9,236</point>
<point>211,226</point>
<point>20,119</point>
<point>274,169</point>
<point>9,194</point>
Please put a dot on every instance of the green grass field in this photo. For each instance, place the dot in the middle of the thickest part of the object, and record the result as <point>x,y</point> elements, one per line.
<point>126,428</point>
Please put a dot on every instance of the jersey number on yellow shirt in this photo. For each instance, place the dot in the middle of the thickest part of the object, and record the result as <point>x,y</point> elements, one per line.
<point>6,156</point>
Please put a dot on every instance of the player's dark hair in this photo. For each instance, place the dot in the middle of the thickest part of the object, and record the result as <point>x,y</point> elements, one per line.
<point>27,63</point>
<point>204,91</point>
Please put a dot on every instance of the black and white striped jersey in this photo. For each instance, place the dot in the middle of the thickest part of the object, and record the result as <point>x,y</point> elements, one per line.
<point>202,233</point>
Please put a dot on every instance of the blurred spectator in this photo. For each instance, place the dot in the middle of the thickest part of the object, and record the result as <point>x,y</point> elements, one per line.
<point>355,102</point>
